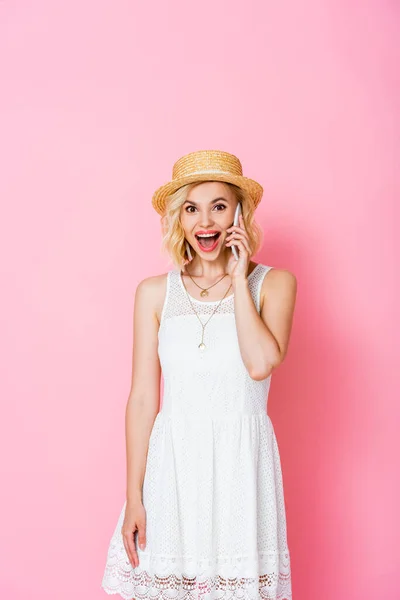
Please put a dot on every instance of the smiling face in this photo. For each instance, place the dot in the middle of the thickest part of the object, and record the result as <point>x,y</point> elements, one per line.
<point>205,216</point>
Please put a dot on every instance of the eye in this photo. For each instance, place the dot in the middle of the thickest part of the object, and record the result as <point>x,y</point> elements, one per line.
<point>222,206</point>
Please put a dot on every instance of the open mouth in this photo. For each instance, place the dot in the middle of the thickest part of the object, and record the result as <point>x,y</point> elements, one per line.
<point>208,242</point>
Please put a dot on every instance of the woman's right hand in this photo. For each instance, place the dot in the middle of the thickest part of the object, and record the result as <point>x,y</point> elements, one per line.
<point>135,520</point>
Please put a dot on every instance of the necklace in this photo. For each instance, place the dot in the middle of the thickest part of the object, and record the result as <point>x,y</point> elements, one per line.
<point>204,291</point>
<point>202,345</point>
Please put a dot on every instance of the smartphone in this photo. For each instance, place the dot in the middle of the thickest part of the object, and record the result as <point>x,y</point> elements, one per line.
<point>236,222</point>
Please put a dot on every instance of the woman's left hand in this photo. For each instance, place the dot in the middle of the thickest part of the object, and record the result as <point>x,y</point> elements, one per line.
<point>237,269</point>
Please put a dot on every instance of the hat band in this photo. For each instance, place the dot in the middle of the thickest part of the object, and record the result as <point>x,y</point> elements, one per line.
<point>216,171</point>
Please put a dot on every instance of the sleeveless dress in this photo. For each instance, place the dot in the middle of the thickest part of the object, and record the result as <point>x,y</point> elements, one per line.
<point>213,489</point>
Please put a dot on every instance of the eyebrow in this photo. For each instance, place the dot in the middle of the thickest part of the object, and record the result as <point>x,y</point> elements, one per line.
<point>212,201</point>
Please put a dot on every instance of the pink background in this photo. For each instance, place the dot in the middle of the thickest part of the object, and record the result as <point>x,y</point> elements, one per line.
<point>98,99</point>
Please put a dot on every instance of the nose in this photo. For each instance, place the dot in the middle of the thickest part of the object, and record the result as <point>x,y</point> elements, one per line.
<point>205,220</point>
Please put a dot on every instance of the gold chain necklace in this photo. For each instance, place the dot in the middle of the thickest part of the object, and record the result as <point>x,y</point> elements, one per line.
<point>202,345</point>
<point>204,291</point>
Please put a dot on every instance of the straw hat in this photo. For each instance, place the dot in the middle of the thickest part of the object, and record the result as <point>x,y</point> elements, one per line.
<point>206,165</point>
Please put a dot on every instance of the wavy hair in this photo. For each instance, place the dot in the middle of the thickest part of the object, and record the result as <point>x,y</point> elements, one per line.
<point>173,240</point>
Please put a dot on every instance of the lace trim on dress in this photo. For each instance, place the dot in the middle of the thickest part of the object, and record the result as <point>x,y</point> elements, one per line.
<point>273,584</point>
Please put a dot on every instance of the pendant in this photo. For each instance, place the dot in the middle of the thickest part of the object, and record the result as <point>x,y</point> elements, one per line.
<point>203,293</point>
<point>202,346</point>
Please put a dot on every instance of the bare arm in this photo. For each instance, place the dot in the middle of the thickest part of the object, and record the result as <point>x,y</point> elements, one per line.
<point>264,337</point>
<point>144,397</point>
<point>142,408</point>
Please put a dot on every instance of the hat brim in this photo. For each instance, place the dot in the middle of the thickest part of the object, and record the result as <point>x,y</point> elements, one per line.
<point>254,189</point>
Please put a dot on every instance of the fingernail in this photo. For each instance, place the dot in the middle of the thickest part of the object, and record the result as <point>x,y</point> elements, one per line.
<point>142,546</point>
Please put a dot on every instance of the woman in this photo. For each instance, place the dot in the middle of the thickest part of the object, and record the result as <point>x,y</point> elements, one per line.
<point>204,514</point>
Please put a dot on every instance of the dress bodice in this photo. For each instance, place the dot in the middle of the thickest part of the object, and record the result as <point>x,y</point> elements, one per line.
<point>213,381</point>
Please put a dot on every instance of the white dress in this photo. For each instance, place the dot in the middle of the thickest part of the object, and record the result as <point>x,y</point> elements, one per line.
<point>213,489</point>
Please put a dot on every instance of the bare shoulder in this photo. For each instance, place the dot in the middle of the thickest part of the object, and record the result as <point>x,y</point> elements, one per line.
<point>150,293</point>
<point>280,280</point>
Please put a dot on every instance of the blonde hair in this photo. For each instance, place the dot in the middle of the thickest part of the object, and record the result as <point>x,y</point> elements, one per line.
<point>173,240</point>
